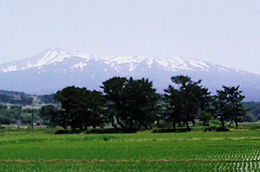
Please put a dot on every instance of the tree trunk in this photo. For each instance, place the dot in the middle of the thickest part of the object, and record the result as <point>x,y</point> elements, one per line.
<point>204,122</point>
<point>73,128</point>
<point>193,123</point>
<point>158,121</point>
<point>222,123</point>
<point>81,127</point>
<point>236,121</point>
<point>131,124</point>
<point>119,123</point>
<point>113,124</point>
<point>174,125</point>
<point>145,126</point>
<point>187,124</point>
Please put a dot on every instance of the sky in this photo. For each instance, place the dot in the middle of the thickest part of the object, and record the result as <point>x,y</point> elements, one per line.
<point>225,32</point>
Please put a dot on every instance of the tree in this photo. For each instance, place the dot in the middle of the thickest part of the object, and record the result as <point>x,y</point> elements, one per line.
<point>48,114</point>
<point>141,102</point>
<point>72,107</point>
<point>95,111</point>
<point>174,106</point>
<point>235,99</point>
<point>113,89</point>
<point>80,108</point>
<point>205,117</point>
<point>186,100</point>
<point>229,105</point>
<point>132,102</point>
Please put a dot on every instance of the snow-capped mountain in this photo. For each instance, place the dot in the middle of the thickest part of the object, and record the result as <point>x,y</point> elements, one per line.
<point>46,58</point>
<point>56,68</point>
<point>55,57</point>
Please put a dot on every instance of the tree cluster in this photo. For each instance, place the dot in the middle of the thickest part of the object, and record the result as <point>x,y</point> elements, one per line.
<point>80,108</point>
<point>253,111</point>
<point>17,115</point>
<point>133,104</point>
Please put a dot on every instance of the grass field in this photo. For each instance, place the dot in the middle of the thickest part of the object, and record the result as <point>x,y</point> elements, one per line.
<point>42,150</point>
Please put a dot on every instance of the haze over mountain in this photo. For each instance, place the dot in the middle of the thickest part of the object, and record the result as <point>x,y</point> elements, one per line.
<point>56,68</point>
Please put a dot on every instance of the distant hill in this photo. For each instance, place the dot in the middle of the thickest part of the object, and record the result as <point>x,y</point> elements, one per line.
<point>54,69</point>
<point>14,97</point>
<point>21,98</point>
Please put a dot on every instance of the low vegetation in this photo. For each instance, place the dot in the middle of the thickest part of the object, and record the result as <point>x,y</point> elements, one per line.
<point>42,150</point>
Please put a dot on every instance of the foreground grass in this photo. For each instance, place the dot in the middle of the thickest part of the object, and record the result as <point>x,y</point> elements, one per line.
<point>41,150</point>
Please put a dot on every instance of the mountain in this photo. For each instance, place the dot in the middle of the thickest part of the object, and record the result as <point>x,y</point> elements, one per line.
<point>56,68</point>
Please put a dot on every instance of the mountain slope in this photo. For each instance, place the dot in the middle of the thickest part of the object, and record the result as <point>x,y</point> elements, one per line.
<point>54,69</point>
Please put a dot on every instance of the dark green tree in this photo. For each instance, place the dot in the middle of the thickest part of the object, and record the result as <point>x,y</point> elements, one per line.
<point>113,89</point>
<point>141,102</point>
<point>185,101</point>
<point>80,108</point>
<point>205,117</point>
<point>174,106</point>
<point>48,114</point>
<point>228,103</point>
<point>72,107</point>
<point>132,102</point>
<point>95,110</point>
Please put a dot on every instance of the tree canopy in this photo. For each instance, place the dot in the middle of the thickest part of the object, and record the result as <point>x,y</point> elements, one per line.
<point>133,104</point>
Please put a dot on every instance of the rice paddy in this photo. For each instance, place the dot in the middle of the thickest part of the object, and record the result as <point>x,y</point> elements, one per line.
<point>42,150</point>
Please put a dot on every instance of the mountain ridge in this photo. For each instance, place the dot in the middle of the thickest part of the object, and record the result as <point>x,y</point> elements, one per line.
<point>54,69</point>
<point>56,55</point>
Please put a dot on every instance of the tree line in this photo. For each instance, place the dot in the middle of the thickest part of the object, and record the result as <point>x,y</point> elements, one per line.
<point>133,104</point>
<point>13,97</point>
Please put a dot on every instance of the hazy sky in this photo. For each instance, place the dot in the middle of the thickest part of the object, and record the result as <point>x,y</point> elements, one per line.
<point>226,32</point>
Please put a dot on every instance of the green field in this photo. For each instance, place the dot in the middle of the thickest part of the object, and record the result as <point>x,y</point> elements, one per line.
<point>42,150</point>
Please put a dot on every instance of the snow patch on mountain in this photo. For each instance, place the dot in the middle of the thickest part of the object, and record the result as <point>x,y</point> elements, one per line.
<point>80,65</point>
<point>48,57</point>
<point>10,69</point>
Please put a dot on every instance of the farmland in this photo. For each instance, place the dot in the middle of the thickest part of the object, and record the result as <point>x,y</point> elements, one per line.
<point>42,150</point>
